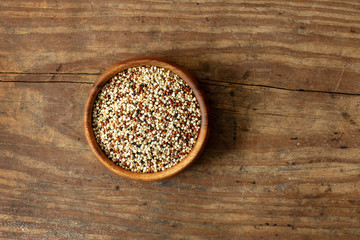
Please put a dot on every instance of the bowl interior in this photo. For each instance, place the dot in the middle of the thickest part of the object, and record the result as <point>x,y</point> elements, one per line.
<point>182,73</point>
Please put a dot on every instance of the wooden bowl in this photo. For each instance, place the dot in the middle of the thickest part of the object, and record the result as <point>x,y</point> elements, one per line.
<point>187,161</point>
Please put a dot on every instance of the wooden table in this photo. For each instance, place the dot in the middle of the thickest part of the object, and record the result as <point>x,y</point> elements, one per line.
<point>283,82</point>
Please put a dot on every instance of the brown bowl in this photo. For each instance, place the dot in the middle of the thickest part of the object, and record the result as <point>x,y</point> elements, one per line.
<point>187,161</point>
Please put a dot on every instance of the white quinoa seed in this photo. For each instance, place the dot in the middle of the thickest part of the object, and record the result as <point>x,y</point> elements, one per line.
<point>146,119</point>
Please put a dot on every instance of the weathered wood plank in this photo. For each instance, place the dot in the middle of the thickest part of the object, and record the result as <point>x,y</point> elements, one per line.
<point>274,166</point>
<point>311,45</point>
<point>282,81</point>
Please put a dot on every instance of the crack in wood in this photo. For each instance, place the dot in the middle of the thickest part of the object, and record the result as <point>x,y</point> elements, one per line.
<point>49,82</point>
<point>279,88</point>
<point>50,73</point>
<point>207,80</point>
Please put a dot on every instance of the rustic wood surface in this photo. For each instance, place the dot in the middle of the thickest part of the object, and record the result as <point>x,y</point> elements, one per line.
<point>283,82</point>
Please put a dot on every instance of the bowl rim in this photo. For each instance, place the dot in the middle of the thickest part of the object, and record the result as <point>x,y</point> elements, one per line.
<point>142,61</point>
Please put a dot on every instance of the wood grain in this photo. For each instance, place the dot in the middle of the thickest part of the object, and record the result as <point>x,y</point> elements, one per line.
<point>281,78</point>
<point>309,45</point>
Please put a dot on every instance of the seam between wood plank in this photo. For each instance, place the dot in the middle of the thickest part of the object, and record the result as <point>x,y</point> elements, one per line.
<point>279,88</point>
<point>51,73</point>
<point>209,80</point>
<point>48,82</point>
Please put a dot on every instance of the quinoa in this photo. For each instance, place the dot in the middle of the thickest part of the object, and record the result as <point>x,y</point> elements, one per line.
<point>146,119</point>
